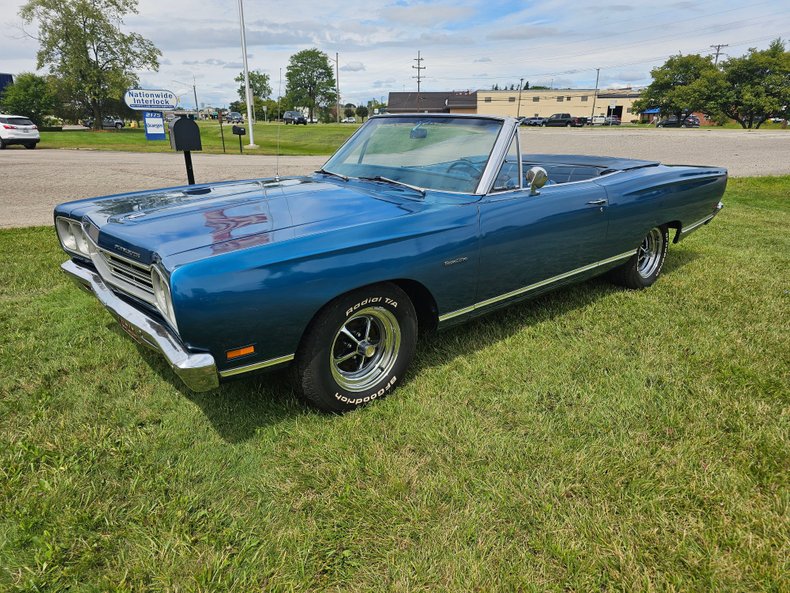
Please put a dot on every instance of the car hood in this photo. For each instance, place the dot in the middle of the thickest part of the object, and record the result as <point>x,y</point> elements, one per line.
<point>234,215</point>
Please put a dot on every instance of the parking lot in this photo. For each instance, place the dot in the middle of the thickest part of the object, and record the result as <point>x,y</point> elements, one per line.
<point>34,181</point>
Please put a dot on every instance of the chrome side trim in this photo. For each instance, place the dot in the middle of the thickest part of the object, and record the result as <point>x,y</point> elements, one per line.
<point>256,366</point>
<point>196,369</point>
<point>684,231</point>
<point>531,287</point>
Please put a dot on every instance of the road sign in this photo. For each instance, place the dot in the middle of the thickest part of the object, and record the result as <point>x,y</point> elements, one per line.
<point>145,99</point>
<point>154,125</point>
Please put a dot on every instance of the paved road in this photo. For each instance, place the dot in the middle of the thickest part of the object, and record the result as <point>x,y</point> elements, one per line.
<point>34,181</point>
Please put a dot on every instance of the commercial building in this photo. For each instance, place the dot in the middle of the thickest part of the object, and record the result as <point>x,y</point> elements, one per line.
<point>442,102</point>
<point>525,103</point>
<point>545,102</point>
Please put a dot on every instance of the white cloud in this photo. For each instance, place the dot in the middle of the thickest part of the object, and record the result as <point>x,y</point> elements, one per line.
<point>353,67</point>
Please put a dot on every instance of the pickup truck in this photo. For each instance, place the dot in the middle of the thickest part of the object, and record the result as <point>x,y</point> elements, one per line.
<point>565,119</point>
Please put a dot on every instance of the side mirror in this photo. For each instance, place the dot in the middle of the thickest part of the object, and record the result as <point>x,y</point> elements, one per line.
<point>536,178</point>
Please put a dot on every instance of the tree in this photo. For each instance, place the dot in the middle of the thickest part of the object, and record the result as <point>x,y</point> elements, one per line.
<point>30,95</point>
<point>682,85</point>
<point>348,112</point>
<point>311,83</point>
<point>259,85</point>
<point>757,85</point>
<point>362,112</point>
<point>82,43</point>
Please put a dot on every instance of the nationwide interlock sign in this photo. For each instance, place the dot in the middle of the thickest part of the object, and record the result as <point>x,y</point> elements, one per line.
<point>150,99</point>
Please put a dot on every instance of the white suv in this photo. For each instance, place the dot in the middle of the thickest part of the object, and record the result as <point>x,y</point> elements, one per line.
<point>17,129</point>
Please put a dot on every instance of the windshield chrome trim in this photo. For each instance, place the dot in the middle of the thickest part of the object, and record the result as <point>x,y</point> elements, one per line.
<point>497,156</point>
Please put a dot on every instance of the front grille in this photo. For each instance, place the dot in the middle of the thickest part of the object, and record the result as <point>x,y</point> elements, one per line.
<point>126,272</point>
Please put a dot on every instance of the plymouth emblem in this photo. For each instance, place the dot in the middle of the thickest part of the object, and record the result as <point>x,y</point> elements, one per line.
<point>126,251</point>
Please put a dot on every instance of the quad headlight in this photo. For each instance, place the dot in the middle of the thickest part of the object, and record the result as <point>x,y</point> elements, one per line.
<point>73,237</point>
<point>164,302</point>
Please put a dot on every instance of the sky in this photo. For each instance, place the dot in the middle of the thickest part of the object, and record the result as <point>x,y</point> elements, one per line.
<point>465,44</point>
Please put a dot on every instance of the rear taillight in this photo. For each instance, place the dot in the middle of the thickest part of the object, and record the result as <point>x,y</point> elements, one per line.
<point>35,127</point>
<point>7,127</point>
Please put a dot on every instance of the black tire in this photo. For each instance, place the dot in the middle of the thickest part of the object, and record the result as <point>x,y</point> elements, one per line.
<point>2,144</point>
<point>118,126</point>
<point>568,125</point>
<point>373,329</point>
<point>645,266</point>
<point>30,145</point>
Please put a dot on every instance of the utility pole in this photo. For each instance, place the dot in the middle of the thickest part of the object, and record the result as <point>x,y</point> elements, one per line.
<point>194,91</point>
<point>718,47</point>
<point>337,85</point>
<point>518,108</point>
<point>419,67</point>
<point>595,94</point>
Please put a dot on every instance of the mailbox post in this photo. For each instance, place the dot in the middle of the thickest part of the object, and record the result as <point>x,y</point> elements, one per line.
<point>240,131</point>
<point>185,136</point>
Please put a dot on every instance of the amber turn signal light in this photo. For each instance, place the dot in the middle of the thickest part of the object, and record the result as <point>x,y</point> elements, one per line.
<point>231,354</point>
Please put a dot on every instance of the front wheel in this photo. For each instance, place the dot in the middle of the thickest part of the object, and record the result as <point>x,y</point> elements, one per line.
<point>644,267</point>
<point>30,145</point>
<point>357,348</point>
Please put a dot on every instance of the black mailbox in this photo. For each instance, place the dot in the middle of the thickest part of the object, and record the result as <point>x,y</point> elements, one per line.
<point>239,130</point>
<point>185,134</point>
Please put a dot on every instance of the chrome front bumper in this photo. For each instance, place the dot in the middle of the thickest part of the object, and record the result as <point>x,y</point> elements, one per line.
<point>197,370</point>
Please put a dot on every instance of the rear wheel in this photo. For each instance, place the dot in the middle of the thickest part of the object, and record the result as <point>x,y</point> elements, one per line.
<point>644,267</point>
<point>357,348</point>
<point>2,144</point>
<point>30,145</point>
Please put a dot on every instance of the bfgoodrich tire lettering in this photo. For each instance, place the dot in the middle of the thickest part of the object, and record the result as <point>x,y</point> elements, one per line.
<point>644,267</point>
<point>357,348</point>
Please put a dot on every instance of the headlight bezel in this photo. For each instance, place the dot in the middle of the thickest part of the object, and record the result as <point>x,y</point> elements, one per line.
<point>163,299</point>
<point>73,238</point>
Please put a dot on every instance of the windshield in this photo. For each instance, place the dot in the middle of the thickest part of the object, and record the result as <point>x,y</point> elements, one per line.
<point>441,153</point>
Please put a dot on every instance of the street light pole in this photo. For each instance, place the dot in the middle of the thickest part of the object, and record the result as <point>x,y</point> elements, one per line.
<point>246,75</point>
<point>337,84</point>
<point>520,86</point>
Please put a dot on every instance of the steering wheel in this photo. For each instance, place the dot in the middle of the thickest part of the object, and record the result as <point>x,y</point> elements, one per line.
<point>466,166</point>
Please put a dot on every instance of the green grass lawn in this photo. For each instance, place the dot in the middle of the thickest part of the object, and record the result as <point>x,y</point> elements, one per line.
<point>595,439</point>
<point>294,140</point>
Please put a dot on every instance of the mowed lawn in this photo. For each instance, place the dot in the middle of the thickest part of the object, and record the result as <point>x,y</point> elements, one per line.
<point>294,140</point>
<point>595,439</point>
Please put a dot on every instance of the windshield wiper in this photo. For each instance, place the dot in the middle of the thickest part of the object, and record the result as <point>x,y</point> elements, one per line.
<point>332,174</point>
<point>419,190</point>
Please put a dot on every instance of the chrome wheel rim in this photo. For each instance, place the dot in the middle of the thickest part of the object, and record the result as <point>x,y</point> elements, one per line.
<point>648,256</point>
<point>365,349</point>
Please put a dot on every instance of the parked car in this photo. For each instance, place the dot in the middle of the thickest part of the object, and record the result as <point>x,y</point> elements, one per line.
<point>348,120</point>
<point>566,120</point>
<point>417,222</point>
<point>17,129</point>
<point>604,120</point>
<point>108,123</point>
<point>294,117</point>
<point>690,121</point>
<point>533,121</point>
<point>233,117</point>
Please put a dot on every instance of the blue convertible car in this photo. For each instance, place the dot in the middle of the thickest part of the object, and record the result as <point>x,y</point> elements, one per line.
<point>417,222</point>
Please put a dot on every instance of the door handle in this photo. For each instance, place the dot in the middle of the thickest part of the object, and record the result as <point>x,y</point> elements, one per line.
<point>597,202</point>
